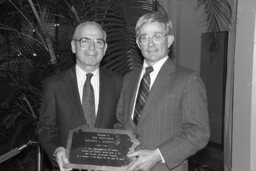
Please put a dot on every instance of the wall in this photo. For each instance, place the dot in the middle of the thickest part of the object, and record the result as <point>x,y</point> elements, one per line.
<point>188,27</point>
<point>190,35</point>
<point>244,121</point>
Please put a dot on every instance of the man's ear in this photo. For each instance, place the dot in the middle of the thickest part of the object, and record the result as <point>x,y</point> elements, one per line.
<point>73,46</point>
<point>137,42</point>
<point>105,48</point>
<point>170,40</point>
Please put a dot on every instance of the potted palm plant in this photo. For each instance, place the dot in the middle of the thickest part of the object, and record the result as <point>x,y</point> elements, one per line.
<point>35,43</point>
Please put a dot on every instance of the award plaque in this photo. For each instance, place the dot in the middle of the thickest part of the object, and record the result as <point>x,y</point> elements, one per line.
<point>100,149</point>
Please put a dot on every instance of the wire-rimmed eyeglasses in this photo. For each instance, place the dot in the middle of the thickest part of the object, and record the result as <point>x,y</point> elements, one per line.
<point>156,38</point>
<point>85,42</point>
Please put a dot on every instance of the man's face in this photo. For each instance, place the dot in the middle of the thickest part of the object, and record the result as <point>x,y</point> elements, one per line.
<point>154,41</point>
<point>88,51</point>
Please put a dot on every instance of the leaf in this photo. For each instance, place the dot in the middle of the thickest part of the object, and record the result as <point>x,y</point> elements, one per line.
<point>218,14</point>
<point>25,58</point>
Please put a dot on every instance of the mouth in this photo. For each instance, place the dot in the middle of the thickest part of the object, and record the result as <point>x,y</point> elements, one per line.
<point>90,54</point>
<point>152,50</point>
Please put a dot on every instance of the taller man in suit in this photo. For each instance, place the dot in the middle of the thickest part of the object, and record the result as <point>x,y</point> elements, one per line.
<point>164,104</point>
<point>63,109</point>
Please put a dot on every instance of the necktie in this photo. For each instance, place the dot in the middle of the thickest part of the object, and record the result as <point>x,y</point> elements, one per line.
<point>142,94</point>
<point>88,102</point>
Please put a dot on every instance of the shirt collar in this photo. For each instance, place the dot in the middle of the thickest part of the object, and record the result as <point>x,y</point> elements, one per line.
<point>82,73</point>
<point>157,66</point>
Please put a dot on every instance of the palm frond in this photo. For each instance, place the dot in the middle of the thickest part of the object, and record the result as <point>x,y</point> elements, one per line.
<point>30,29</point>
<point>218,14</point>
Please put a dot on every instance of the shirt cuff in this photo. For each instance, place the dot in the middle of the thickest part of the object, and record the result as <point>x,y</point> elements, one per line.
<point>56,150</point>
<point>163,161</point>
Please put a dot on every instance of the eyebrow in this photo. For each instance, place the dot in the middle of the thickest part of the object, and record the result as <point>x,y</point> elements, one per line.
<point>89,38</point>
<point>153,33</point>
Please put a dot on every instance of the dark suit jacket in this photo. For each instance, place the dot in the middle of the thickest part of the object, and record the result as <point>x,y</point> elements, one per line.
<point>61,109</point>
<point>175,116</point>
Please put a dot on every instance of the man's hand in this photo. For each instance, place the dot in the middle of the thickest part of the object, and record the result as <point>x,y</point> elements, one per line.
<point>145,160</point>
<point>61,159</point>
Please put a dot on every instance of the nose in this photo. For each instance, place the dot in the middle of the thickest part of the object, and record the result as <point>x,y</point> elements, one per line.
<point>91,45</point>
<point>150,41</point>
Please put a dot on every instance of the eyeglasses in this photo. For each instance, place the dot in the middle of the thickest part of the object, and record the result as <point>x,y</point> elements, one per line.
<point>85,42</point>
<point>156,38</point>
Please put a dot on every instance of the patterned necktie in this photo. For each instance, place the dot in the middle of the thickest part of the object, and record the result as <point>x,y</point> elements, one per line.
<point>142,94</point>
<point>88,102</point>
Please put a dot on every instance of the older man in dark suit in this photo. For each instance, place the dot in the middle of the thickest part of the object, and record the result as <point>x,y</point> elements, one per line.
<point>83,95</point>
<point>164,104</point>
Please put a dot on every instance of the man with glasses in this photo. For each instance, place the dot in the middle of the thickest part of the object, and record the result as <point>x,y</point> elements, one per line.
<point>163,103</point>
<point>83,95</point>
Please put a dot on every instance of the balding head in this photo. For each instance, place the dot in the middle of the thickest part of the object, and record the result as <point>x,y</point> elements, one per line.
<point>88,23</point>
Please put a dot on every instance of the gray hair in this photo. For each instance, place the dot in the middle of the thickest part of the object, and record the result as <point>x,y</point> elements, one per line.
<point>153,17</point>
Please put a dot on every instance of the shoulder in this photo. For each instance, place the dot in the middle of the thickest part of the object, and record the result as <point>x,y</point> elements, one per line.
<point>60,77</point>
<point>189,77</point>
<point>109,73</point>
<point>184,72</point>
<point>183,76</point>
<point>110,77</point>
<point>132,73</point>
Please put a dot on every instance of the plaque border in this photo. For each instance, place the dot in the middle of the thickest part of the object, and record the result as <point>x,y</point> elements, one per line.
<point>100,130</point>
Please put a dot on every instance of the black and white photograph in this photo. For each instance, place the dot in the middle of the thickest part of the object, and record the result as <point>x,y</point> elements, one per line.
<point>127,85</point>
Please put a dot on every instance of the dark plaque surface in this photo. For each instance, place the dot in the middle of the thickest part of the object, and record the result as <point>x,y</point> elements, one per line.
<point>100,149</point>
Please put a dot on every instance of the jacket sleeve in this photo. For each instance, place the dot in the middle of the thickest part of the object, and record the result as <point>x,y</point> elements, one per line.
<point>47,129</point>
<point>195,124</point>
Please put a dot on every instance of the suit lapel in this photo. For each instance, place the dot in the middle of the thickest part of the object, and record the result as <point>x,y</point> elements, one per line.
<point>133,85</point>
<point>74,97</point>
<point>161,80</point>
<point>102,88</point>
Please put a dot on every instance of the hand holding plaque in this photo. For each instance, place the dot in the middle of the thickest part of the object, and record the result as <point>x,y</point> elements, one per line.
<point>100,149</point>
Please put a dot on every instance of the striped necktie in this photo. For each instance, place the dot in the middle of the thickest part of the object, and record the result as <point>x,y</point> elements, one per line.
<point>142,94</point>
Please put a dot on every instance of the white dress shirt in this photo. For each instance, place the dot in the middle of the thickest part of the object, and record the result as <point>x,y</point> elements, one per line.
<point>95,81</point>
